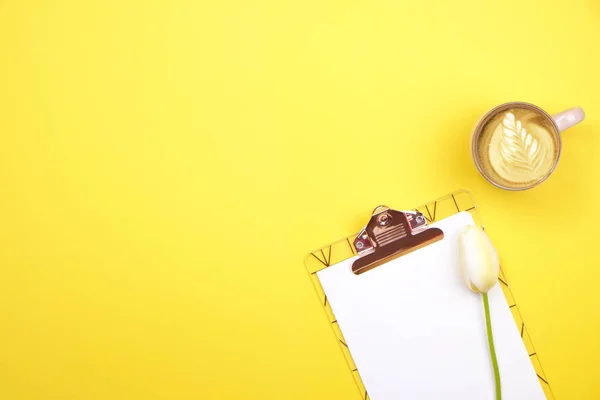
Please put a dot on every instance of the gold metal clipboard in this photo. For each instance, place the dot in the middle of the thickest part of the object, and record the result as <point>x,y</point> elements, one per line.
<point>403,232</point>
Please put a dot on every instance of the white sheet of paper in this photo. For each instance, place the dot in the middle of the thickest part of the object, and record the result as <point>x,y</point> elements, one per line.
<point>416,332</point>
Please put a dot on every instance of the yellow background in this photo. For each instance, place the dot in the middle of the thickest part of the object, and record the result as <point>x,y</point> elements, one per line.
<point>166,165</point>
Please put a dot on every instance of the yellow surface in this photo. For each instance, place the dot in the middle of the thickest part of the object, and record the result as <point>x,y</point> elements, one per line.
<point>166,165</point>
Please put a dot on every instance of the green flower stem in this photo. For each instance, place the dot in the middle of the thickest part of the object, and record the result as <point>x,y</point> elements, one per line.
<point>488,324</point>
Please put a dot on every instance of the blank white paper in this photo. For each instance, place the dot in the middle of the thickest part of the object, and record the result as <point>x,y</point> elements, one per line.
<point>415,331</point>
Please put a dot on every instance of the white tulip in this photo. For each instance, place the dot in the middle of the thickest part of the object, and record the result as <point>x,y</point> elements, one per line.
<point>479,262</point>
<point>480,265</point>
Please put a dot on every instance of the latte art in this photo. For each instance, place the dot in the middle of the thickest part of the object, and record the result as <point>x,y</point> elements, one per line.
<point>518,147</point>
<point>521,151</point>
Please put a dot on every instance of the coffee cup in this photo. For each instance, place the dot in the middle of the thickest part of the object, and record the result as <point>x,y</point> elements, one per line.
<point>517,146</point>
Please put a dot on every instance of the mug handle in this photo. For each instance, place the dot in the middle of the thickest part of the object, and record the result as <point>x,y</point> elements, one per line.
<point>568,118</point>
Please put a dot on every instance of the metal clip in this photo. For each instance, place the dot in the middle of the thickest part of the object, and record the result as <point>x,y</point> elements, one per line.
<point>391,234</point>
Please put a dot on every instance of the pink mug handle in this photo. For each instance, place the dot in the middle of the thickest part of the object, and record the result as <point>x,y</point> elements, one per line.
<point>568,118</point>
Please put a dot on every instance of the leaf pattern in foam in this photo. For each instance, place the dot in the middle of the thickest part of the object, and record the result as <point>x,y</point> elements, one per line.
<point>518,148</point>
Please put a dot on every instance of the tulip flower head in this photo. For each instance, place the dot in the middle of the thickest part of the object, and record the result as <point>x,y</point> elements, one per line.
<point>479,262</point>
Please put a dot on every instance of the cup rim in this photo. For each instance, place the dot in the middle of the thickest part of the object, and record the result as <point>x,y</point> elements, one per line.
<point>491,113</point>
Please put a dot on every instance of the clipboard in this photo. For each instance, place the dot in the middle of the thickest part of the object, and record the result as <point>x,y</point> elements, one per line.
<point>413,223</point>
